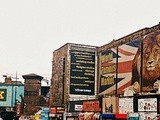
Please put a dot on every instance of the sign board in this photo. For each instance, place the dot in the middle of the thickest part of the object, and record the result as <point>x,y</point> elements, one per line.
<point>82,71</point>
<point>90,106</point>
<point>3,94</point>
<point>78,107</point>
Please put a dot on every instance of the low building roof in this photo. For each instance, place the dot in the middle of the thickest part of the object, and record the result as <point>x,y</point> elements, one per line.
<point>32,76</point>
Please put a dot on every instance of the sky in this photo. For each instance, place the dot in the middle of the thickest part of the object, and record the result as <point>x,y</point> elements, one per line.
<point>30,30</point>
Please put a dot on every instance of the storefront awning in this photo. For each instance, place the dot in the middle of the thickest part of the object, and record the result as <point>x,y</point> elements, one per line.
<point>108,115</point>
<point>122,116</point>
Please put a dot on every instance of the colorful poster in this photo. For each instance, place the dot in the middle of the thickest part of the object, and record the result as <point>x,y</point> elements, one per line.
<point>91,106</point>
<point>126,54</point>
<point>108,71</point>
<point>147,56</point>
<point>116,67</point>
<point>147,104</point>
<point>120,67</point>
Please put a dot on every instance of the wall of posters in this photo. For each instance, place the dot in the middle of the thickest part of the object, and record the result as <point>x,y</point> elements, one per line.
<point>120,67</point>
<point>82,70</point>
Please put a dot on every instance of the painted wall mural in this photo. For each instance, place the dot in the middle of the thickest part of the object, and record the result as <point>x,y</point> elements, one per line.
<point>151,62</point>
<point>129,56</point>
<point>108,70</point>
<point>126,54</point>
<point>123,55</point>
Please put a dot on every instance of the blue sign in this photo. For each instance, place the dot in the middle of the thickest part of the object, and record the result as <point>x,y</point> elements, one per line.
<point>44,115</point>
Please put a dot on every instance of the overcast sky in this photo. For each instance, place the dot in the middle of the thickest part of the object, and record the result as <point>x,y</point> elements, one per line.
<point>30,30</point>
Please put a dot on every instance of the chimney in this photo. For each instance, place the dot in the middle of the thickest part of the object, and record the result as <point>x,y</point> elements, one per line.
<point>8,80</point>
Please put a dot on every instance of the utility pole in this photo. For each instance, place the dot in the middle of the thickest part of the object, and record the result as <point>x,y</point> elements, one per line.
<point>16,89</point>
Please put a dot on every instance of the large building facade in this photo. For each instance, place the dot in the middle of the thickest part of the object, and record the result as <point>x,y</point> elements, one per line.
<point>73,74</point>
<point>129,64</point>
<point>130,60</point>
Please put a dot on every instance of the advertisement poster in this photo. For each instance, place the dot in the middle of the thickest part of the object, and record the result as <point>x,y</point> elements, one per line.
<point>108,71</point>
<point>90,106</point>
<point>148,116</point>
<point>120,67</point>
<point>125,105</point>
<point>147,104</point>
<point>110,105</point>
<point>149,50</point>
<point>82,70</point>
<point>123,55</point>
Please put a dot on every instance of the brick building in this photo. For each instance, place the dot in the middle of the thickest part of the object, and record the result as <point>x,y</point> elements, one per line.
<point>32,93</point>
<point>73,74</point>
